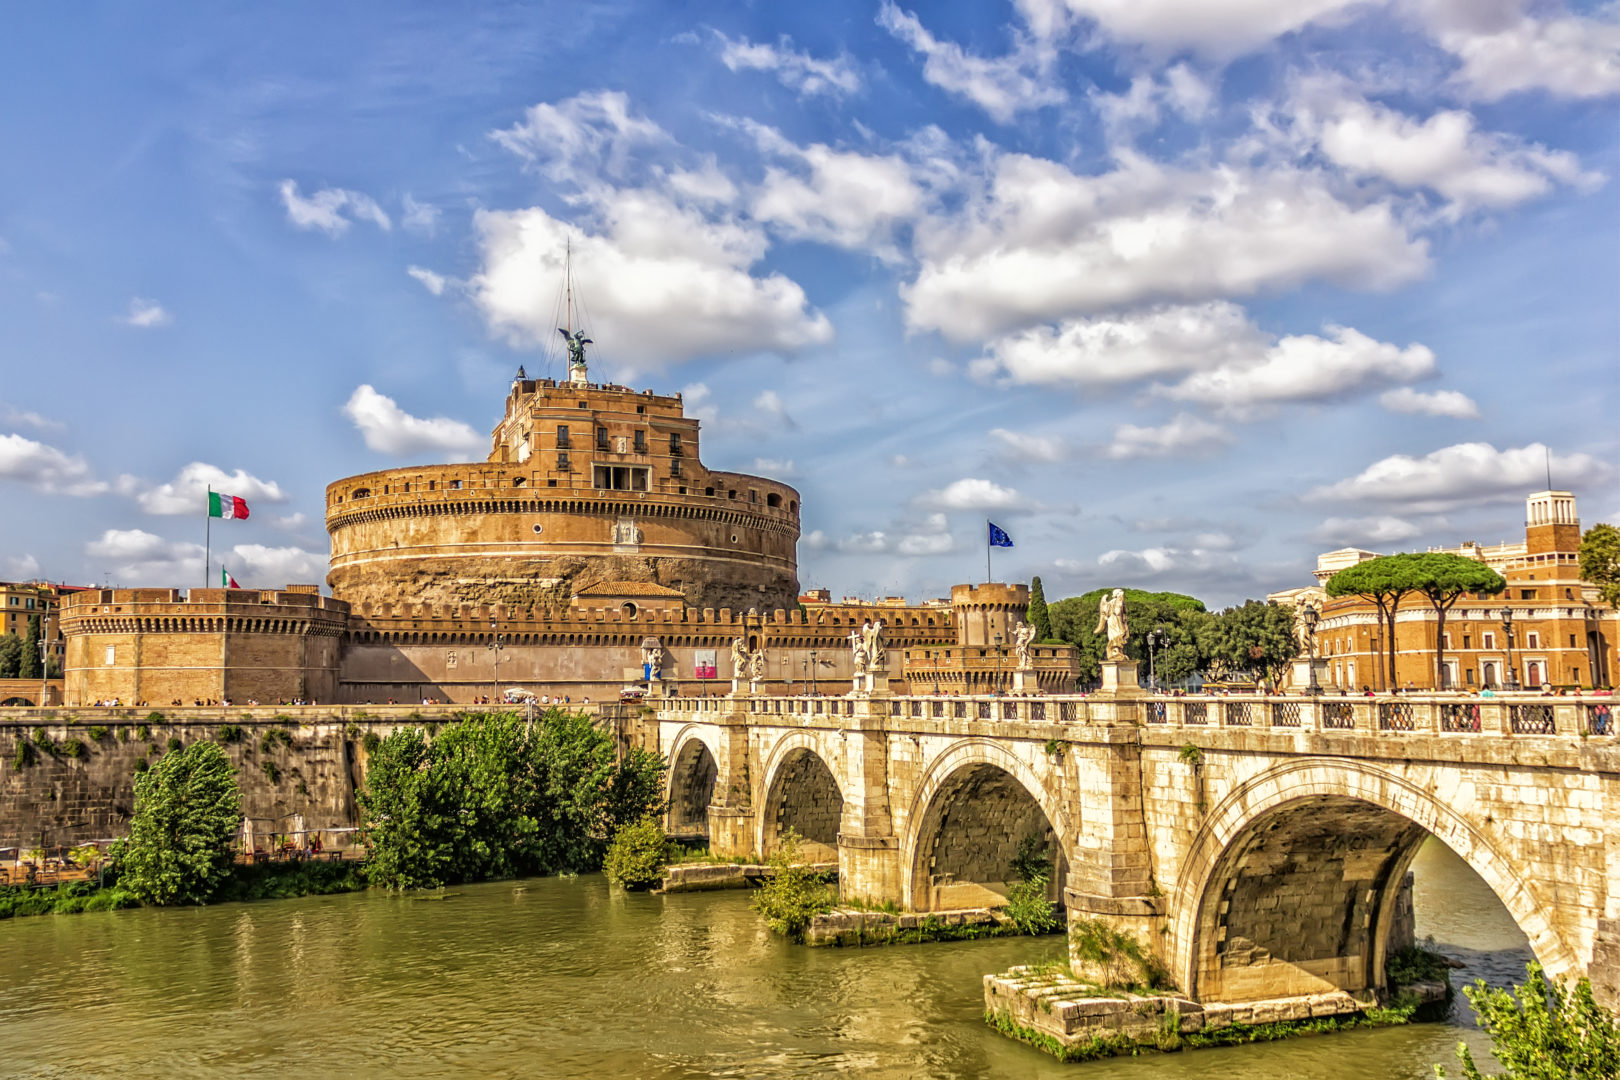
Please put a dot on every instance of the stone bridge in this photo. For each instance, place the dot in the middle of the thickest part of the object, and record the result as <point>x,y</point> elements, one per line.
<point>1258,844</point>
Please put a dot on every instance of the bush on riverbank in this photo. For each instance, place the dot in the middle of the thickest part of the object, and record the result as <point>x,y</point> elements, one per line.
<point>187,812</point>
<point>794,894</point>
<point>491,796</point>
<point>265,881</point>
<point>638,854</point>
<point>1544,1029</point>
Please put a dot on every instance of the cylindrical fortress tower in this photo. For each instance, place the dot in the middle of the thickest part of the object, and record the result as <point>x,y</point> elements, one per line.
<point>984,612</point>
<point>584,484</point>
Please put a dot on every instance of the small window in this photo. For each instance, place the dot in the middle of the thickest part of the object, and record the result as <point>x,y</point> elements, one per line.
<point>753,496</point>
<point>432,484</point>
<point>683,489</point>
<point>675,468</point>
<point>562,463</point>
<point>629,609</point>
<point>519,481</point>
<point>1468,642</point>
<point>675,444</point>
<point>773,499</point>
<point>1532,640</point>
<point>361,493</point>
<point>583,405</point>
<point>455,485</point>
<point>112,655</point>
<point>1488,641</point>
<point>562,435</point>
<point>641,441</point>
<point>731,494</point>
<point>601,438</point>
<point>1572,641</point>
<point>709,492</point>
<point>551,483</point>
<point>641,408</point>
<point>1527,594</point>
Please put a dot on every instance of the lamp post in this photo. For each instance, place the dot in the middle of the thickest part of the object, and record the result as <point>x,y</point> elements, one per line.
<point>814,680</point>
<point>1512,680</point>
<point>996,689</point>
<point>44,668</point>
<point>497,646</point>
<point>1311,615</point>
<point>936,672</point>
<point>1156,639</point>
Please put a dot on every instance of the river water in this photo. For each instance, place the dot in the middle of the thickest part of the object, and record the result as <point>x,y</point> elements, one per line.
<point>567,978</point>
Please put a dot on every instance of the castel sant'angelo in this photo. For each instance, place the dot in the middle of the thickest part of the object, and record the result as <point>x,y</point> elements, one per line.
<point>592,550</point>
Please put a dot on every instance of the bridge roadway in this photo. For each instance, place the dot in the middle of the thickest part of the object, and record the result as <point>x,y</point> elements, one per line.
<point>1258,844</point>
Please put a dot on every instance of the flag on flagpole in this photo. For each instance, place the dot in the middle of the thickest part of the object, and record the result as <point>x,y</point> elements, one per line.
<point>226,506</point>
<point>226,581</point>
<point>998,536</point>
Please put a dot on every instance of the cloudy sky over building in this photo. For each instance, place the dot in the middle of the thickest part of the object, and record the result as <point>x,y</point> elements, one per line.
<point>1178,292</point>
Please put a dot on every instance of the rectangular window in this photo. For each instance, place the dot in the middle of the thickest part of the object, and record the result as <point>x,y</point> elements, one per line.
<point>1470,676</point>
<point>675,468</point>
<point>1487,641</point>
<point>1446,637</point>
<point>455,485</point>
<point>675,444</point>
<point>601,438</point>
<point>641,441</point>
<point>621,477</point>
<point>1572,641</point>
<point>562,463</point>
<point>1527,594</point>
<point>562,436</point>
<point>1532,640</point>
<point>111,655</point>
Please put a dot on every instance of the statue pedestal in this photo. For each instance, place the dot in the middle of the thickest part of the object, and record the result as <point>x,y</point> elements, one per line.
<point>1119,679</point>
<point>1018,680</point>
<point>1300,678</point>
<point>736,685</point>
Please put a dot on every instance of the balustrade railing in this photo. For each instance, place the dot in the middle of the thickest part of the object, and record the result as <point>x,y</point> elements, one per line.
<point>1195,712</point>
<point>1285,714</point>
<point>1395,716</point>
<point>1237,714</point>
<point>1599,719</point>
<point>1338,716</point>
<point>1459,716</point>
<point>1531,719</point>
<point>1157,712</point>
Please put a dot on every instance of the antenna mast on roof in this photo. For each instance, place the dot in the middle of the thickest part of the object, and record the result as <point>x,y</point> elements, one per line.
<point>1548,450</point>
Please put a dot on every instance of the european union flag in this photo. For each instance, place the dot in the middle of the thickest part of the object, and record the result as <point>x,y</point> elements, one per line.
<point>998,537</point>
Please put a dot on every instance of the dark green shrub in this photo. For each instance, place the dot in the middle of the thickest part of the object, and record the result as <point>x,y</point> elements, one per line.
<point>74,748</point>
<point>1029,909</point>
<point>638,854</point>
<point>273,737</point>
<point>142,732</point>
<point>153,718</point>
<point>97,733</point>
<point>371,742</point>
<point>271,770</point>
<point>174,743</point>
<point>123,735</point>
<point>141,766</point>
<point>42,739</point>
<point>1113,960</point>
<point>187,812</point>
<point>1544,1030</point>
<point>26,755</point>
<point>228,735</point>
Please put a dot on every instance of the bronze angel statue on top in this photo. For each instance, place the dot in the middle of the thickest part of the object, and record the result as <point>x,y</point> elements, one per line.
<point>576,345</point>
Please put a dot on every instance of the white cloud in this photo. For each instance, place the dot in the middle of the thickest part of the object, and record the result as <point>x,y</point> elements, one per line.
<point>814,540</point>
<point>1444,153</point>
<point>290,522</point>
<point>775,468</point>
<point>146,314</point>
<point>1459,475</point>
<point>391,430</point>
<point>1042,243</point>
<point>851,200</point>
<point>798,71</point>
<point>1026,446</point>
<point>866,543</point>
<point>1171,562</point>
<point>1381,529</point>
<point>973,493</point>
<point>418,216</point>
<point>187,493</point>
<point>1504,49</point>
<point>1164,340</point>
<point>1141,107</point>
<point>19,567</point>
<point>46,468</point>
<point>931,537</point>
<point>1453,403</point>
<point>663,283</point>
<point>433,283</point>
<point>1002,86</point>
<point>771,404</point>
<point>1183,434</point>
<point>697,400</point>
<point>255,565</point>
<point>36,420</point>
<point>331,210</point>
<point>1222,30</point>
<point>137,557</point>
<point>1304,367</point>
<point>582,138</point>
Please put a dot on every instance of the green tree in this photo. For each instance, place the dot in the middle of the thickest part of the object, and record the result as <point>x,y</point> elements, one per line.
<point>1039,618</point>
<point>1074,620</point>
<point>187,812</point>
<point>1382,582</point>
<point>793,894</point>
<point>11,647</point>
<point>1543,1031</point>
<point>28,663</point>
<point>1600,561</point>
<point>492,796</point>
<point>638,855</point>
<point>1443,579</point>
<point>1254,636</point>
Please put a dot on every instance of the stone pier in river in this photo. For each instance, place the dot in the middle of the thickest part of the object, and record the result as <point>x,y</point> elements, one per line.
<point>1256,844</point>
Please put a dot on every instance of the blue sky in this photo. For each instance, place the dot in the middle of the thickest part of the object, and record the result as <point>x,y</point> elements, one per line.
<point>1178,292</point>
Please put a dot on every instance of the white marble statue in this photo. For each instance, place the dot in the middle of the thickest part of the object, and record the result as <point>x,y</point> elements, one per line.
<point>857,649</point>
<point>653,657</point>
<point>1023,638</point>
<point>739,658</point>
<point>756,665</point>
<point>872,636</point>
<point>1111,620</point>
<point>1305,616</point>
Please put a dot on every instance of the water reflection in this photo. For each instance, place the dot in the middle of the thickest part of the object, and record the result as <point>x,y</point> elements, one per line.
<point>564,978</point>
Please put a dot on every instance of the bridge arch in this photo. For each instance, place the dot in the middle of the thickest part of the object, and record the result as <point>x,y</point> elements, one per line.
<point>976,803</point>
<point>1329,842</point>
<point>804,791</point>
<point>693,770</point>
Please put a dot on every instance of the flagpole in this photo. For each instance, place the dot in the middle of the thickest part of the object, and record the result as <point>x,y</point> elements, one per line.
<point>208,532</point>
<point>987,551</point>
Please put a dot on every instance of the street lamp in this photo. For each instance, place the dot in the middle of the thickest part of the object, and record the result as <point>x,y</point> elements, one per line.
<point>44,669</point>
<point>814,680</point>
<point>1311,615</point>
<point>498,645</point>
<point>1156,638</point>
<point>936,672</point>
<point>1512,680</point>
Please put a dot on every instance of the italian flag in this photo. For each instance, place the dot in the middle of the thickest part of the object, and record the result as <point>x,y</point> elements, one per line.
<point>225,579</point>
<point>226,506</point>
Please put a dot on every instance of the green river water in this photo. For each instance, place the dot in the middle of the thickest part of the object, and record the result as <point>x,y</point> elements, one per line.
<point>567,978</point>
